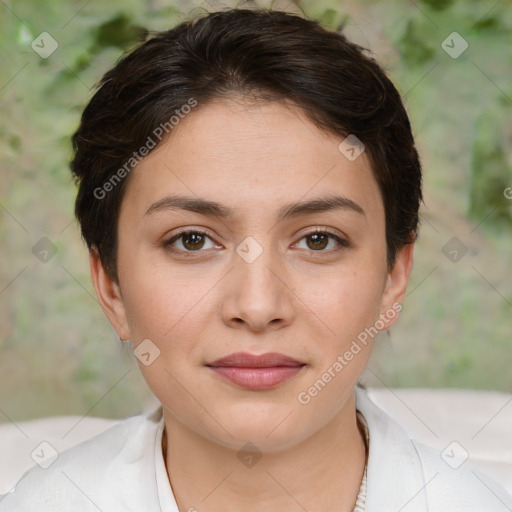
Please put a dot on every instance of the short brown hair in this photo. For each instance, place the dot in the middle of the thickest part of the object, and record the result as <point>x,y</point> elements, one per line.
<point>269,54</point>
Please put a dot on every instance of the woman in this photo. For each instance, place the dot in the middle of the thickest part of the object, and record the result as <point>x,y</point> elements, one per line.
<point>249,191</point>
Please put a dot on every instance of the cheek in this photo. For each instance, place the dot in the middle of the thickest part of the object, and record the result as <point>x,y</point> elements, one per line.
<point>168,310</point>
<point>349,306</point>
<point>173,309</point>
<point>346,303</point>
<point>160,301</point>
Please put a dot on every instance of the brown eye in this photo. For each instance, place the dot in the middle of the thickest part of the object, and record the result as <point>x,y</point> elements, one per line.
<point>319,241</point>
<point>189,241</point>
<point>193,241</point>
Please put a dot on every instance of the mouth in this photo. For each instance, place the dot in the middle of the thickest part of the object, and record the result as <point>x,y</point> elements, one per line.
<point>256,372</point>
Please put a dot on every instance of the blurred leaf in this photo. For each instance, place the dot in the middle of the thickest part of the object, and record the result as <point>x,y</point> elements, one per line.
<point>14,142</point>
<point>412,45</point>
<point>438,5</point>
<point>487,23</point>
<point>118,32</point>
<point>490,172</point>
<point>82,62</point>
<point>333,19</point>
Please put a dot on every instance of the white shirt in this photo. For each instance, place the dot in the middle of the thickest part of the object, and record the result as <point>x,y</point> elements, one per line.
<point>123,470</point>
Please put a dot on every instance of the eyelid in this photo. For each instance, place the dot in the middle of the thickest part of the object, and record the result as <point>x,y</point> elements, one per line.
<point>325,230</point>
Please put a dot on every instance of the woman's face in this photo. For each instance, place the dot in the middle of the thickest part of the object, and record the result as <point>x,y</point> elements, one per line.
<point>266,277</point>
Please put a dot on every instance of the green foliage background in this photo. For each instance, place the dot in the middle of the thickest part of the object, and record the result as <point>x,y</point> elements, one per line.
<point>58,354</point>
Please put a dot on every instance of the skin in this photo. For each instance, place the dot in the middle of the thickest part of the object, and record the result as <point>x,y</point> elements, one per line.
<point>306,301</point>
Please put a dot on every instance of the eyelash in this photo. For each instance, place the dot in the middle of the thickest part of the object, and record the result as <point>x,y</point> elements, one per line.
<point>318,231</point>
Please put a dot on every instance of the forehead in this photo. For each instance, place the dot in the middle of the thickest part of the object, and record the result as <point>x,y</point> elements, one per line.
<point>253,157</point>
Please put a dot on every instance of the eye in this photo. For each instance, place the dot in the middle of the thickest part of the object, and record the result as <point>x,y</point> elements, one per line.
<point>319,239</point>
<point>192,240</point>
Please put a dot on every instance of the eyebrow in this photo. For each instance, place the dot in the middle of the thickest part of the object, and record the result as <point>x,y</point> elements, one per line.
<point>291,210</point>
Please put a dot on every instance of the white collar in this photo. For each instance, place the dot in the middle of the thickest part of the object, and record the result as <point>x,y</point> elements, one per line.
<point>395,474</point>
<point>165,495</point>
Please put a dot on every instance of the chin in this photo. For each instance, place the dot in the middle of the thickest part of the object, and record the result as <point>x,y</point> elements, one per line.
<point>269,429</point>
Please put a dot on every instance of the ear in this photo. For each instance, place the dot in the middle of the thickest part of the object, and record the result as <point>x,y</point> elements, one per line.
<point>109,296</point>
<point>396,284</point>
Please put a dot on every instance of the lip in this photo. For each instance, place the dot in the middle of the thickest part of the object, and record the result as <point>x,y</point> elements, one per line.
<point>256,372</point>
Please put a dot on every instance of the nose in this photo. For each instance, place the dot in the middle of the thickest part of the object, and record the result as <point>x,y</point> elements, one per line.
<point>257,295</point>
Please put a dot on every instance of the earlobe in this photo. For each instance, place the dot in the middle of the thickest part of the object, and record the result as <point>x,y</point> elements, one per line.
<point>109,296</point>
<point>397,280</point>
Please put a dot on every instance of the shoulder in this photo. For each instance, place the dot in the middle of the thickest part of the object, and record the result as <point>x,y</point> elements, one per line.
<point>94,474</point>
<point>412,476</point>
<point>451,480</point>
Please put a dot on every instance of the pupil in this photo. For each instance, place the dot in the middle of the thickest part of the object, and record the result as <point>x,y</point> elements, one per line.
<point>318,238</point>
<point>195,237</point>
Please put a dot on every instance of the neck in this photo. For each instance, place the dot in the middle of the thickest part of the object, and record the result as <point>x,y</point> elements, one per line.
<point>323,472</point>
